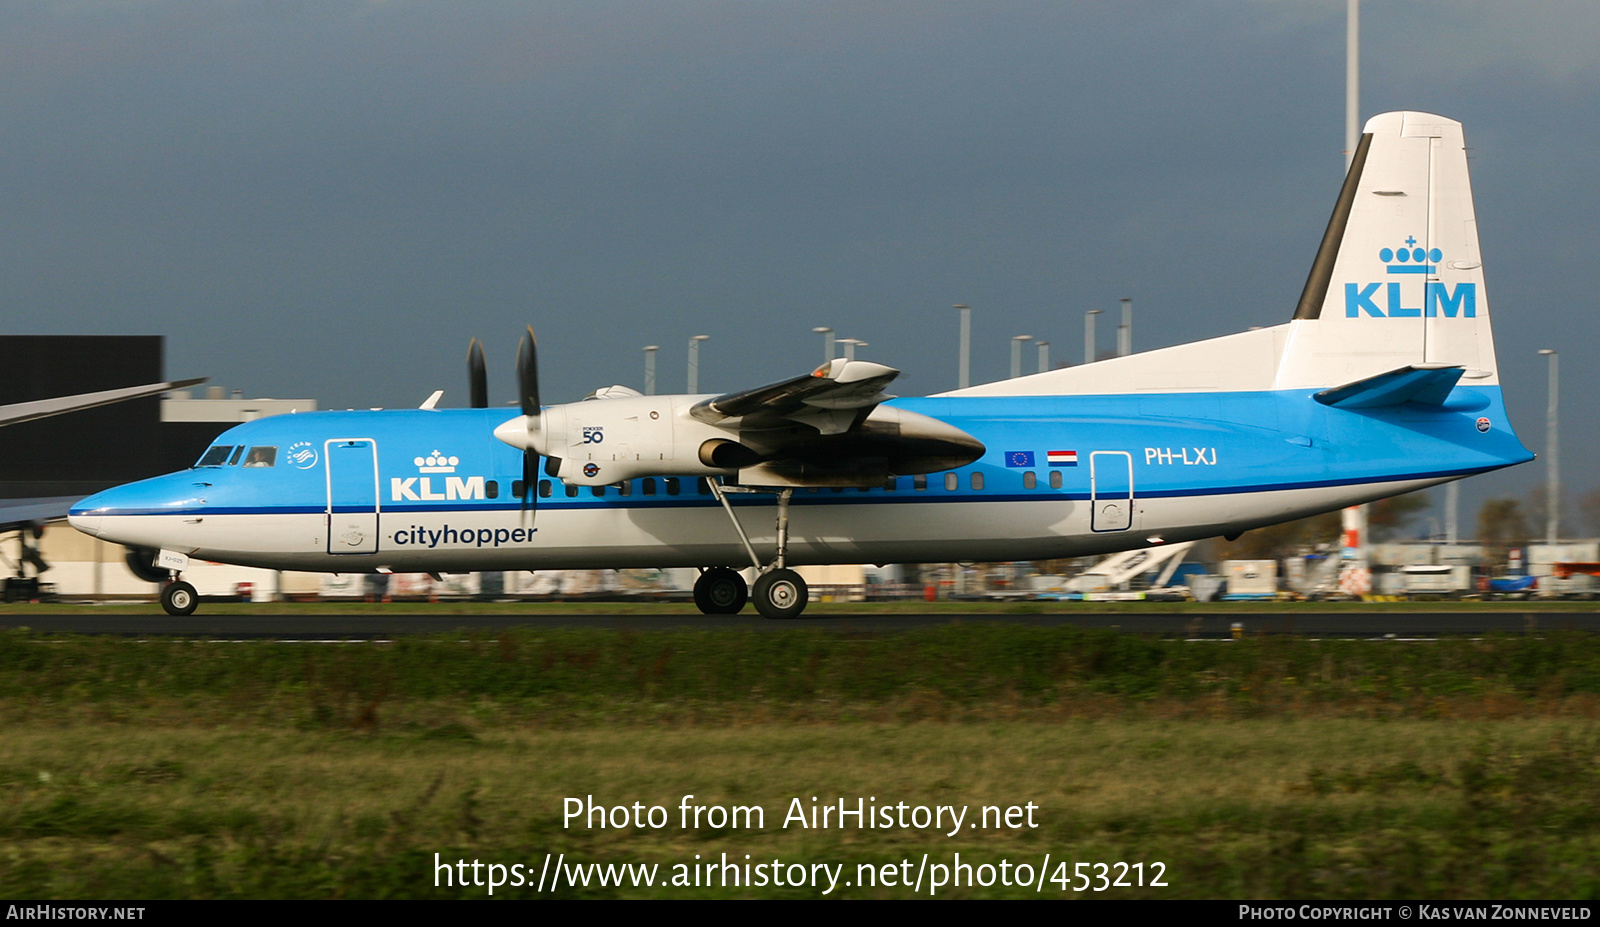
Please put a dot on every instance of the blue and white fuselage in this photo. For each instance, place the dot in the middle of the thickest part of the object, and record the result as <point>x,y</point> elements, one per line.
<point>1384,381</point>
<point>431,490</point>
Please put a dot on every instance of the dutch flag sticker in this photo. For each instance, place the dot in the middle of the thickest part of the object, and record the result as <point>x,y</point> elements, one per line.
<point>1063,458</point>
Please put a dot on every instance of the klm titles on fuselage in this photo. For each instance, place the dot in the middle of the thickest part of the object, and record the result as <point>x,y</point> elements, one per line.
<point>420,489</point>
<point>1437,297</point>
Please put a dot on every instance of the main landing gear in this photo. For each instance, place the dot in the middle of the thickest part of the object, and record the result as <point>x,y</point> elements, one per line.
<point>779,591</point>
<point>720,591</point>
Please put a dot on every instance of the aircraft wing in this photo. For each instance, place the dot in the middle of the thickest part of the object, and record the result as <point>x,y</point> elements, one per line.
<point>18,512</point>
<point>44,408</point>
<point>833,399</point>
<point>845,437</point>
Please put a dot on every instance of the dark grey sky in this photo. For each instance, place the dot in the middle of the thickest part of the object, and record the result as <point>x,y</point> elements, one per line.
<point>328,199</point>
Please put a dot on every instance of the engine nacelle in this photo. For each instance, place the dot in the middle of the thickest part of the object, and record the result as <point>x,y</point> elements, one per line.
<point>603,441</point>
<point>610,440</point>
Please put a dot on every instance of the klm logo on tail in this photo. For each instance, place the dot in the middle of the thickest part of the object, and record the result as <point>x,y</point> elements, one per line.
<point>1437,298</point>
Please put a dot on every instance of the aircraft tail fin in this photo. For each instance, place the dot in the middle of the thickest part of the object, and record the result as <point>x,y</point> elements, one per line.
<point>1397,284</point>
<point>1396,290</point>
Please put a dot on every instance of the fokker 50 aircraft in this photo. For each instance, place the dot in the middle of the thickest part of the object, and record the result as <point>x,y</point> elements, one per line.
<point>1385,381</point>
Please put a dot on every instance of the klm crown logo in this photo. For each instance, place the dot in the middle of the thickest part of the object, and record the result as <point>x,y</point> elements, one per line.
<point>1437,297</point>
<point>437,463</point>
<point>1411,259</point>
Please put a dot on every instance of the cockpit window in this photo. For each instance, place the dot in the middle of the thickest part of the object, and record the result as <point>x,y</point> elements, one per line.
<point>215,456</point>
<point>262,455</point>
<point>236,452</point>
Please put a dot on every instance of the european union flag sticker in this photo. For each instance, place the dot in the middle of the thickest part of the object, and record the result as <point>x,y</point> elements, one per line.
<point>1019,458</point>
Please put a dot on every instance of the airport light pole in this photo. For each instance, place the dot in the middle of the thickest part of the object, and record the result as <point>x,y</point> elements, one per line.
<point>1552,494</point>
<point>694,362</point>
<point>1044,356</point>
<point>1125,330</point>
<point>964,371</point>
<point>1016,354</point>
<point>1452,504</point>
<point>1088,335</point>
<point>827,342</point>
<point>650,368</point>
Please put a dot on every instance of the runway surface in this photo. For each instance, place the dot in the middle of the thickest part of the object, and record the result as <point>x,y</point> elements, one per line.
<point>1375,624</point>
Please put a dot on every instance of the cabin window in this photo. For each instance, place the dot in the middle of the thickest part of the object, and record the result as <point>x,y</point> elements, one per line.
<point>1055,479</point>
<point>951,481</point>
<point>262,455</point>
<point>1029,481</point>
<point>215,456</point>
<point>977,480</point>
<point>648,485</point>
<point>572,492</point>
<point>597,490</point>
<point>236,452</point>
<point>701,486</point>
<point>864,488</point>
<point>625,488</point>
<point>672,485</point>
<point>544,489</point>
<point>890,484</point>
<point>837,488</point>
<point>919,482</point>
<point>517,487</point>
<point>491,489</point>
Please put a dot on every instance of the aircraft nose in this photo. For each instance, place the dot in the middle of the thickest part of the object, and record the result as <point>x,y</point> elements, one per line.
<point>88,524</point>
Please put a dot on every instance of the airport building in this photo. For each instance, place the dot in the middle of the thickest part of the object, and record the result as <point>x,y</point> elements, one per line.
<point>89,450</point>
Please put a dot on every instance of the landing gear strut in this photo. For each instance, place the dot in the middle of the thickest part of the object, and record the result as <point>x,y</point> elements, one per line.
<point>720,591</point>
<point>779,591</point>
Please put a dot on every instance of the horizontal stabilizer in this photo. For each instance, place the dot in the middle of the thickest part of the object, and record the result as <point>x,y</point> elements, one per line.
<point>1428,384</point>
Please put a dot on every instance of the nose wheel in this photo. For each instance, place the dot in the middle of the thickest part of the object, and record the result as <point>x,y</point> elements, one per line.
<point>720,591</point>
<point>179,598</point>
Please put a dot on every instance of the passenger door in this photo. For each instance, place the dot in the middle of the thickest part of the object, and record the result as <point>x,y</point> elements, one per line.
<point>1110,491</point>
<point>352,468</point>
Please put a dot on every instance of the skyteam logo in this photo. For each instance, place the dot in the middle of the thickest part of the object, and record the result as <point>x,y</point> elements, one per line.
<point>303,455</point>
<point>1437,297</point>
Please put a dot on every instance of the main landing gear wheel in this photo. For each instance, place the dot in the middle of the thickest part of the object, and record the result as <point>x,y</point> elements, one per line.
<point>780,594</point>
<point>179,598</point>
<point>720,591</point>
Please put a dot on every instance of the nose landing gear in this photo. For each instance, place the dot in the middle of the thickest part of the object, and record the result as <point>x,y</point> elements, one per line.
<point>178,598</point>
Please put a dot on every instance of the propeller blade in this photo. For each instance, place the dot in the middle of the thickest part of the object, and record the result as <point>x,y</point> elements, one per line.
<point>530,483</point>
<point>528,373</point>
<point>528,393</point>
<point>477,375</point>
